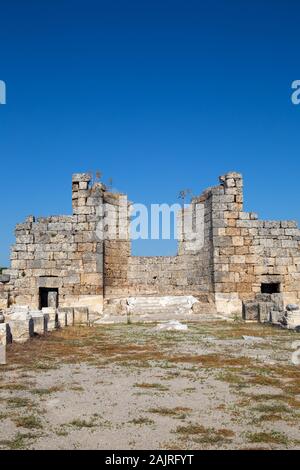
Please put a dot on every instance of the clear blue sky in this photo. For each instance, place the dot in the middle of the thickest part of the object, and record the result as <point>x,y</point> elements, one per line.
<point>159,95</point>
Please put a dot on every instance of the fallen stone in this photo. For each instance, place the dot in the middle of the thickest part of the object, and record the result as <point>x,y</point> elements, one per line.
<point>250,310</point>
<point>51,318</point>
<point>69,313</point>
<point>276,317</point>
<point>296,354</point>
<point>21,329</point>
<point>2,354</point>
<point>4,278</point>
<point>81,316</point>
<point>172,325</point>
<point>293,319</point>
<point>62,319</point>
<point>3,333</point>
<point>254,339</point>
<point>292,307</point>
<point>40,322</point>
<point>265,309</point>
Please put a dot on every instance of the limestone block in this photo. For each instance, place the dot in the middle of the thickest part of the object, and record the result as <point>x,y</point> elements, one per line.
<point>228,303</point>
<point>275,316</point>
<point>62,319</point>
<point>265,309</point>
<point>51,318</point>
<point>4,332</point>
<point>4,329</point>
<point>292,307</point>
<point>81,177</point>
<point>2,354</point>
<point>21,327</point>
<point>278,302</point>
<point>69,315</point>
<point>4,278</point>
<point>52,299</point>
<point>81,316</point>
<point>92,279</point>
<point>293,319</point>
<point>40,321</point>
<point>251,310</point>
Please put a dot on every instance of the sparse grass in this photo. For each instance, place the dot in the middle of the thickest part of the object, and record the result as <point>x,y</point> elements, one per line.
<point>173,412</point>
<point>155,386</point>
<point>46,391</point>
<point>77,388</point>
<point>19,442</point>
<point>61,432</point>
<point>82,423</point>
<point>13,386</point>
<point>29,422</point>
<point>202,435</point>
<point>170,363</point>
<point>232,378</point>
<point>267,438</point>
<point>18,402</point>
<point>141,421</point>
<point>272,408</point>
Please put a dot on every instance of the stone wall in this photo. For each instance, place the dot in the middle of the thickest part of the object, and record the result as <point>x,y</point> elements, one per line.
<point>61,252</point>
<point>86,256</point>
<point>249,252</point>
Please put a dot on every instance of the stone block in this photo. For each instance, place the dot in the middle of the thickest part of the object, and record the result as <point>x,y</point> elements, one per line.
<point>276,316</point>
<point>251,310</point>
<point>2,354</point>
<point>61,319</point>
<point>40,322</point>
<point>69,315</point>
<point>265,309</point>
<point>4,278</point>
<point>81,316</point>
<point>4,331</point>
<point>21,329</point>
<point>293,319</point>
<point>51,318</point>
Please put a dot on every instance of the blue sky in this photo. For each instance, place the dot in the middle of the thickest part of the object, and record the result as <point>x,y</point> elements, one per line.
<point>159,95</point>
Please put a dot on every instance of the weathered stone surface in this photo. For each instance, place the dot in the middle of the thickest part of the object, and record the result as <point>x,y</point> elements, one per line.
<point>4,331</point>
<point>224,252</point>
<point>4,278</point>
<point>51,318</point>
<point>81,316</point>
<point>276,317</point>
<point>251,310</point>
<point>67,314</point>
<point>265,309</point>
<point>21,327</point>
<point>293,319</point>
<point>40,322</point>
<point>292,307</point>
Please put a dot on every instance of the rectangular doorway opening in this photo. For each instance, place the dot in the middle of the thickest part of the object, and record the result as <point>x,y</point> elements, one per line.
<point>270,288</point>
<point>48,297</point>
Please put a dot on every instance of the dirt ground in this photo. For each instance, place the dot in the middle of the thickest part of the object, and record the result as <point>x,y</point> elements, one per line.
<point>132,387</point>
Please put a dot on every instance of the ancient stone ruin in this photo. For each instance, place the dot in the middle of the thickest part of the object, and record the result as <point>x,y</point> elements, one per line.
<point>79,269</point>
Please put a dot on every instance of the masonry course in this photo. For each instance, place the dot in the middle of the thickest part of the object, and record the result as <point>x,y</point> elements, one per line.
<point>84,260</point>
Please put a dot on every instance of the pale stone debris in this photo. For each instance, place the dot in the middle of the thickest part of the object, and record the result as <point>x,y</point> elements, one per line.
<point>78,269</point>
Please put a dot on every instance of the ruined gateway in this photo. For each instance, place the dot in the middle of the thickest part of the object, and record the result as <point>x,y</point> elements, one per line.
<point>64,262</point>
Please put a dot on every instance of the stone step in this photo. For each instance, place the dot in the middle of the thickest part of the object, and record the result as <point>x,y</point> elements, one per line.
<point>150,308</point>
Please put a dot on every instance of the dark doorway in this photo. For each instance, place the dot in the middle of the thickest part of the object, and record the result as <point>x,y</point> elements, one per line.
<point>44,297</point>
<point>270,288</point>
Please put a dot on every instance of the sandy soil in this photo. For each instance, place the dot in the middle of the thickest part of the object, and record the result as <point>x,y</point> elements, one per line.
<point>131,387</point>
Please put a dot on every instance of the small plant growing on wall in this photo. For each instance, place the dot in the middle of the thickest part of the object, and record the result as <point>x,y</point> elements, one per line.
<point>183,194</point>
